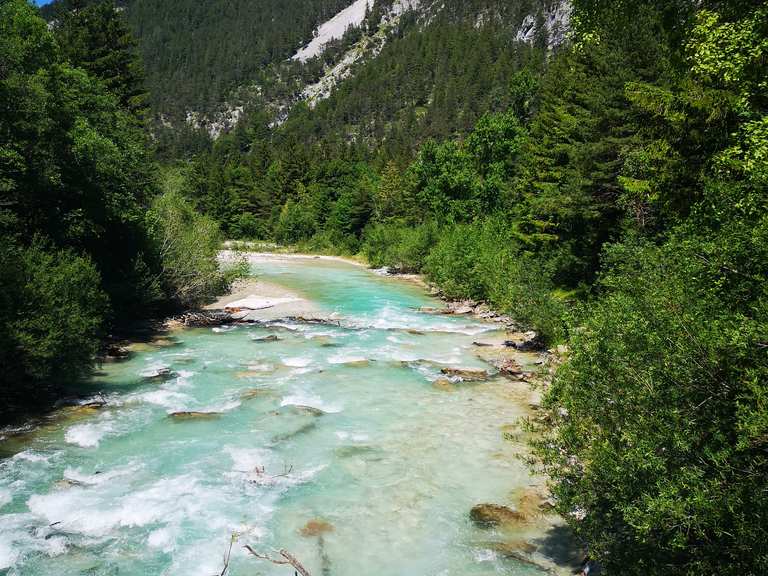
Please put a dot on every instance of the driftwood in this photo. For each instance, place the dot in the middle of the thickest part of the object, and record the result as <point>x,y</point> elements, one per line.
<point>204,319</point>
<point>286,558</point>
<point>261,473</point>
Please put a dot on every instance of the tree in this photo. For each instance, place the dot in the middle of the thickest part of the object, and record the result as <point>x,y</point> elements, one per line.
<point>96,38</point>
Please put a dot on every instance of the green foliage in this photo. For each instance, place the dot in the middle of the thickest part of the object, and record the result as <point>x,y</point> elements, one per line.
<point>52,313</point>
<point>655,429</point>
<point>295,223</point>
<point>399,246</point>
<point>80,252</point>
<point>96,39</point>
<point>197,53</point>
<point>186,245</point>
<point>485,261</point>
<point>658,420</point>
<point>74,165</point>
<point>60,314</point>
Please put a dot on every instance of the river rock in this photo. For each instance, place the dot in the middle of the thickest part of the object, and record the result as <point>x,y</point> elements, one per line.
<point>492,515</point>
<point>255,393</point>
<point>526,342</point>
<point>194,415</point>
<point>115,353</point>
<point>467,374</point>
<point>164,342</point>
<point>431,310</point>
<point>303,429</point>
<point>85,407</point>
<point>362,363</point>
<point>270,338</point>
<point>513,548</point>
<point>311,410</point>
<point>510,367</point>
<point>159,374</point>
<point>443,384</point>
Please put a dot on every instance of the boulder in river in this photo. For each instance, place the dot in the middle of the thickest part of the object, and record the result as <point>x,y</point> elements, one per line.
<point>92,406</point>
<point>311,410</point>
<point>492,515</point>
<point>159,374</point>
<point>115,353</point>
<point>194,415</point>
<point>467,374</point>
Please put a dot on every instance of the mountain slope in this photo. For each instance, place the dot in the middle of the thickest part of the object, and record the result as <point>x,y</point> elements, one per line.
<point>206,62</point>
<point>195,53</point>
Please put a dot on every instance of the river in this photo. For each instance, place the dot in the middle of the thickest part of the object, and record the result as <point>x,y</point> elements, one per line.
<point>332,442</point>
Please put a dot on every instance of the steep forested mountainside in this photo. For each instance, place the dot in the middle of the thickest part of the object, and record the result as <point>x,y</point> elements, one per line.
<point>392,61</point>
<point>195,53</point>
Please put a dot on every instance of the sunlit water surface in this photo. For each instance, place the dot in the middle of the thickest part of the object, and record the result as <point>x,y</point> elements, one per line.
<point>391,464</point>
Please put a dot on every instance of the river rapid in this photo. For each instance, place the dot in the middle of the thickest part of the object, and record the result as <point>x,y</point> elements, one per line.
<point>343,444</point>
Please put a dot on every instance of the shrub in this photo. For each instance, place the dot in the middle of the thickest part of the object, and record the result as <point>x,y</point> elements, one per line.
<point>52,322</point>
<point>656,433</point>
<point>483,261</point>
<point>186,244</point>
<point>398,245</point>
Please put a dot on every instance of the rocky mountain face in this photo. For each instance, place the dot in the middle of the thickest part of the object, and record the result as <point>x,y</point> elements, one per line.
<point>207,63</point>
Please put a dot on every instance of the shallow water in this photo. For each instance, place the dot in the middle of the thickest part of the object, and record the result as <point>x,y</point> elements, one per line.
<point>339,424</point>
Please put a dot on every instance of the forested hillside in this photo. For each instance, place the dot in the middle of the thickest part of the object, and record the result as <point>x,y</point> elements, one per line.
<point>315,175</point>
<point>197,54</point>
<point>93,235</point>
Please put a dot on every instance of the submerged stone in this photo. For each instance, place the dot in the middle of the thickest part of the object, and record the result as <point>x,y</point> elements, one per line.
<point>311,410</point>
<point>270,338</point>
<point>194,415</point>
<point>316,527</point>
<point>443,384</point>
<point>256,393</point>
<point>308,427</point>
<point>362,363</point>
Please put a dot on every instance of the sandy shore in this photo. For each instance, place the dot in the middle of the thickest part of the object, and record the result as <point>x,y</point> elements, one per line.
<point>229,255</point>
<point>277,301</point>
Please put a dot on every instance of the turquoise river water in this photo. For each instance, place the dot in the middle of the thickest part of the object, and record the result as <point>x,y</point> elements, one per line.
<point>330,442</point>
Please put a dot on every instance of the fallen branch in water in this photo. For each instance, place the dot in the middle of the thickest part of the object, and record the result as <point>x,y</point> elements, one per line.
<point>261,473</point>
<point>287,559</point>
<point>227,556</point>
